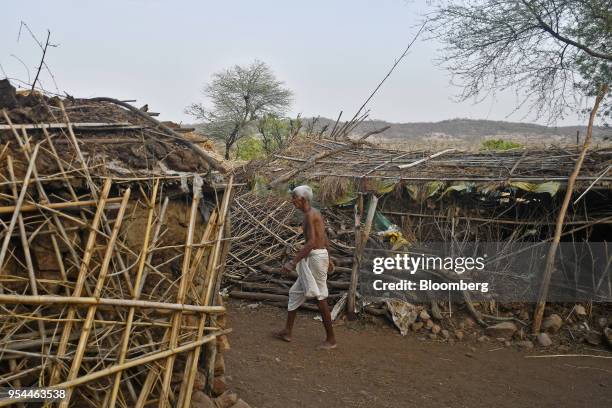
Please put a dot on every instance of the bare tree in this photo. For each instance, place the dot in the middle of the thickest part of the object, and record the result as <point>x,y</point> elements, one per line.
<point>552,53</point>
<point>238,96</point>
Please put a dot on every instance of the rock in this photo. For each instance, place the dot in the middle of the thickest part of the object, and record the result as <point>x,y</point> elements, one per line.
<point>503,329</point>
<point>424,315</point>
<point>240,404</point>
<point>482,339</point>
<point>226,400</point>
<point>201,400</point>
<point>507,343</point>
<point>580,310</point>
<point>416,326</point>
<point>219,386</point>
<point>459,334</point>
<point>525,345</point>
<point>433,336</point>
<point>253,306</point>
<point>429,324</point>
<point>552,323</point>
<point>544,340</point>
<point>468,323</point>
<point>219,364</point>
<point>435,329</point>
<point>593,338</point>
<point>607,332</point>
<point>445,334</point>
<point>435,311</point>
<point>199,381</point>
<point>500,339</point>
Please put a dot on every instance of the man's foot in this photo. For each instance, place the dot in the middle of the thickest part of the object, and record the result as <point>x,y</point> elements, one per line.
<point>327,345</point>
<point>283,335</point>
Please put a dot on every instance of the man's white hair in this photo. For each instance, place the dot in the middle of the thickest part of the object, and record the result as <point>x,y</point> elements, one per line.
<point>303,191</point>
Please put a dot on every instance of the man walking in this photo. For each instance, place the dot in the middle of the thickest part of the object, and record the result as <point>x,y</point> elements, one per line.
<point>312,264</point>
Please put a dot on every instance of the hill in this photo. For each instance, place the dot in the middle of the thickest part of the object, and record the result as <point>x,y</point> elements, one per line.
<point>463,132</point>
<point>471,130</point>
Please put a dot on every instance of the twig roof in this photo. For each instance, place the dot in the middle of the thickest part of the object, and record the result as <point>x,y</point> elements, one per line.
<point>370,161</point>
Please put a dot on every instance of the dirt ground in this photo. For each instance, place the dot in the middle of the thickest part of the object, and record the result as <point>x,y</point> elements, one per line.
<point>376,367</point>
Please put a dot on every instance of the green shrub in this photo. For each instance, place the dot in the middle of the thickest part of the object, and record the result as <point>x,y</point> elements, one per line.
<point>249,148</point>
<point>499,144</point>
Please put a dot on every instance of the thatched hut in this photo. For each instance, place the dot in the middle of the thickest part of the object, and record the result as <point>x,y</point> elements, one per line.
<point>446,197</point>
<point>112,239</point>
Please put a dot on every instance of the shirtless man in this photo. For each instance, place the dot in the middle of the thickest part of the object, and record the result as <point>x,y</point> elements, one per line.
<point>312,263</point>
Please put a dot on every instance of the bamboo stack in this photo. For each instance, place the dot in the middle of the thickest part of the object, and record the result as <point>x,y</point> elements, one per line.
<point>98,296</point>
<point>266,232</point>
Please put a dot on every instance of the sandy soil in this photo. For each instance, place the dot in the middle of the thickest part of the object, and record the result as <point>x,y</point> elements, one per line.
<point>375,367</point>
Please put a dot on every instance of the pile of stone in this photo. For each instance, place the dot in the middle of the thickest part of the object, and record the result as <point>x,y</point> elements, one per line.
<point>592,328</point>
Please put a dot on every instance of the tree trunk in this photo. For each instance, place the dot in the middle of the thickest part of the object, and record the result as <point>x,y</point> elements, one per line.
<point>550,258</point>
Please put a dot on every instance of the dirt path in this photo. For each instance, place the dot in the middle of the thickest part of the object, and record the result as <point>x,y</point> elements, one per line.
<point>376,367</point>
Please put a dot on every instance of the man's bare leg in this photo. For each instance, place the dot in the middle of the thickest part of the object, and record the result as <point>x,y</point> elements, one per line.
<point>330,340</point>
<point>287,332</point>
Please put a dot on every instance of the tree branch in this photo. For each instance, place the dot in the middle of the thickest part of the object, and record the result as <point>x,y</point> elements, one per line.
<point>42,60</point>
<point>564,39</point>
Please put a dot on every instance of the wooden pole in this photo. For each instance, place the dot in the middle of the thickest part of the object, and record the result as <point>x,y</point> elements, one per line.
<point>550,257</point>
<point>18,204</point>
<point>91,311</point>
<point>26,247</point>
<point>55,206</point>
<point>207,292</point>
<point>176,319</point>
<point>137,290</point>
<point>369,219</point>
<point>98,301</point>
<point>355,270</point>
<point>361,239</point>
<point>80,283</point>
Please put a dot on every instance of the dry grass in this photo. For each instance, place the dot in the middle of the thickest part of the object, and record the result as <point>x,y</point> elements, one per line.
<point>332,189</point>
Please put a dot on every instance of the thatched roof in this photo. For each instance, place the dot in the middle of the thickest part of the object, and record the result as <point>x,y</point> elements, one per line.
<point>367,161</point>
<point>114,138</point>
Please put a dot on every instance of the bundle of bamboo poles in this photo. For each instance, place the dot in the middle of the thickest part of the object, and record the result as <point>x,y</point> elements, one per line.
<point>266,232</point>
<point>107,288</point>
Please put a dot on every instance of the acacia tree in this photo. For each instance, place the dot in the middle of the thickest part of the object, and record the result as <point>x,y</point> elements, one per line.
<point>238,96</point>
<point>552,53</point>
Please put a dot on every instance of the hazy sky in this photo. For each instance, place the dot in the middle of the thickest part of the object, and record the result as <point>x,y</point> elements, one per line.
<point>330,53</point>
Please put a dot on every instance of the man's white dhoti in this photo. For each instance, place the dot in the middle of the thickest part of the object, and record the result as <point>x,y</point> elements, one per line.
<point>312,279</point>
